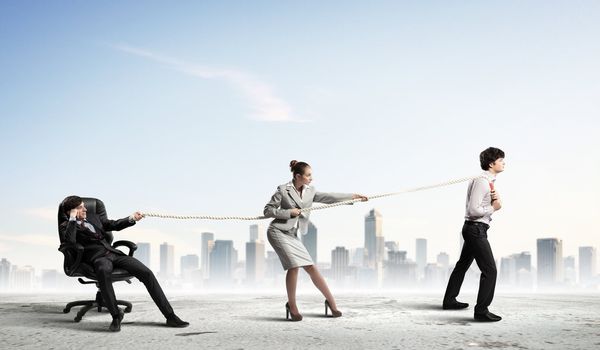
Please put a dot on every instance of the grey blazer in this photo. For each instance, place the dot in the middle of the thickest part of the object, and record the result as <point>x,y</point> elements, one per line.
<point>286,198</point>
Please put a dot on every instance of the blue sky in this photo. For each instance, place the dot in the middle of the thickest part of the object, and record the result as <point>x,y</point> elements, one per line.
<point>198,107</point>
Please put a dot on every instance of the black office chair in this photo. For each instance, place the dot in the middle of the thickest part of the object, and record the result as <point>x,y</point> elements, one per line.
<point>74,267</point>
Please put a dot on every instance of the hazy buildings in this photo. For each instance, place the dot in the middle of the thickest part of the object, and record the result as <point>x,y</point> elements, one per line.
<point>4,273</point>
<point>443,260</point>
<point>549,261</point>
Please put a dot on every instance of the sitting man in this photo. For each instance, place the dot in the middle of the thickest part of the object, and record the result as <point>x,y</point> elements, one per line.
<point>99,254</point>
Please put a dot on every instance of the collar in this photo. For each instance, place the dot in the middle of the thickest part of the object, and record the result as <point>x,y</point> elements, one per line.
<point>291,184</point>
<point>491,177</point>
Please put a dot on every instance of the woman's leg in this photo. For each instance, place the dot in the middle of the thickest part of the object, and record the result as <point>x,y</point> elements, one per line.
<point>291,281</point>
<point>320,283</point>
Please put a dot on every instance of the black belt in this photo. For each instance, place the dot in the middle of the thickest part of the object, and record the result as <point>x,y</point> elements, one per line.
<point>477,223</point>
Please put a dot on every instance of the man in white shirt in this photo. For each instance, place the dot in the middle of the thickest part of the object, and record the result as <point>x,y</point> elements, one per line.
<point>482,202</point>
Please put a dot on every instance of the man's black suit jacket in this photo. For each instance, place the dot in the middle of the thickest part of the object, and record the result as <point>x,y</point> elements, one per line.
<point>95,244</point>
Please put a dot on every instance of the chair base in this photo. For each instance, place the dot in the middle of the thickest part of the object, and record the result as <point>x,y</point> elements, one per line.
<point>90,304</point>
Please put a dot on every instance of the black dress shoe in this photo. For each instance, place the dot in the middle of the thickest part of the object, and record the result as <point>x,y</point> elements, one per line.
<point>115,325</point>
<point>487,317</point>
<point>174,321</point>
<point>455,305</point>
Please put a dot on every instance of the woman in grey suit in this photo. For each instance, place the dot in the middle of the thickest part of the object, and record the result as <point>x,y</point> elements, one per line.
<point>288,221</point>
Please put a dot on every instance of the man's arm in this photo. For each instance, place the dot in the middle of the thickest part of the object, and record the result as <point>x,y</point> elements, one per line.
<point>476,208</point>
<point>118,225</point>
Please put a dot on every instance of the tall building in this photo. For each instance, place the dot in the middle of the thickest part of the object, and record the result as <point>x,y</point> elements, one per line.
<point>587,264</point>
<point>255,256</point>
<point>443,260</point>
<point>421,256</point>
<point>256,231</point>
<point>310,241</point>
<point>208,239</point>
<point>4,273</point>
<point>167,260</point>
<point>340,260</point>
<point>189,264</point>
<point>390,246</point>
<point>222,262</point>
<point>143,253</point>
<point>374,241</point>
<point>514,268</point>
<point>549,261</point>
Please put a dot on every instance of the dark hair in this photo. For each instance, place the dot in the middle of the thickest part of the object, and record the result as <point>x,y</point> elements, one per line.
<point>297,167</point>
<point>70,203</point>
<point>489,156</point>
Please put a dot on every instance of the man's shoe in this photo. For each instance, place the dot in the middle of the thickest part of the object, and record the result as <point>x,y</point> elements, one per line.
<point>174,321</point>
<point>455,305</point>
<point>115,325</point>
<point>487,317</point>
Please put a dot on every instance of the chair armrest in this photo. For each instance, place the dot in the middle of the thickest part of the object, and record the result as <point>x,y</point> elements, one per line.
<point>78,252</point>
<point>132,246</point>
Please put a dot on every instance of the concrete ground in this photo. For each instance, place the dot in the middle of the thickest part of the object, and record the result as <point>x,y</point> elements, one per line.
<point>370,321</point>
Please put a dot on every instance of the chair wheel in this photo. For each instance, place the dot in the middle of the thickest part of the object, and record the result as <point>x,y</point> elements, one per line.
<point>66,311</point>
<point>77,319</point>
<point>127,310</point>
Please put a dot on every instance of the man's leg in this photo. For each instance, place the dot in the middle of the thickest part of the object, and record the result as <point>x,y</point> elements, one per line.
<point>458,274</point>
<point>145,275</point>
<point>487,282</point>
<point>103,267</point>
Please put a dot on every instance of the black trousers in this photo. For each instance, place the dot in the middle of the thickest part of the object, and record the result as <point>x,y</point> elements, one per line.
<point>104,266</point>
<point>476,247</point>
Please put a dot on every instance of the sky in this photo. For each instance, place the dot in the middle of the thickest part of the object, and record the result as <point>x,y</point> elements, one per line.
<point>198,107</point>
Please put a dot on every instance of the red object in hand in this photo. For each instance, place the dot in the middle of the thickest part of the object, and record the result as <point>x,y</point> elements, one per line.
<point>492,186</point>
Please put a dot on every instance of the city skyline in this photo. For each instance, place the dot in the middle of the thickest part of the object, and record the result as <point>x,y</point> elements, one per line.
<point>169,113</point>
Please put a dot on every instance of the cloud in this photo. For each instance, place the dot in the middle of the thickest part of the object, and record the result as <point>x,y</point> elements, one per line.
<point>34,239</point>
<point>47,214</point>
<point>265,104</point>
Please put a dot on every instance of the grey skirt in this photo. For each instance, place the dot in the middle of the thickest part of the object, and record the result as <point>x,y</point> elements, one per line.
<point>292,253</point>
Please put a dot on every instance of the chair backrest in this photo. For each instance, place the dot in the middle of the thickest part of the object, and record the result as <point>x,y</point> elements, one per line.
<point>94,206</point>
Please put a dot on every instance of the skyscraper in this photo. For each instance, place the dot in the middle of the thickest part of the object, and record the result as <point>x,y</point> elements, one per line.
<point>167,260</point>
<point>310,241</point>
<point>549,261</point>
<point>22,278</point>
<point>255,256</point>
<point>340,259</point>
<point>421,256</point>
<point>222,262</point>
<point>208,239</point>
<point>256,233</point>
<point>587,264</point>
<point>143,253</point>
<point>374,242</point>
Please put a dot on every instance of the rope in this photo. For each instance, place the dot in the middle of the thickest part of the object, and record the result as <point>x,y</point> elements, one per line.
<point>305,210</point>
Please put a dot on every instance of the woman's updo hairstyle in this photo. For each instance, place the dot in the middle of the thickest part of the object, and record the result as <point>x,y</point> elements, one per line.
<point>297,167</point>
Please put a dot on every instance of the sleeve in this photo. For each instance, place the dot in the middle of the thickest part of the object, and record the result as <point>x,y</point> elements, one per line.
<point>68,231</point>
<point>476,207</point>
<point>116,225</point>
<point>330,198</point>
<point>273,210</point>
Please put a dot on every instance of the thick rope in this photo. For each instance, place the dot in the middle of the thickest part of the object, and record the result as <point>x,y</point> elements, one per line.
<point>318,207</point>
